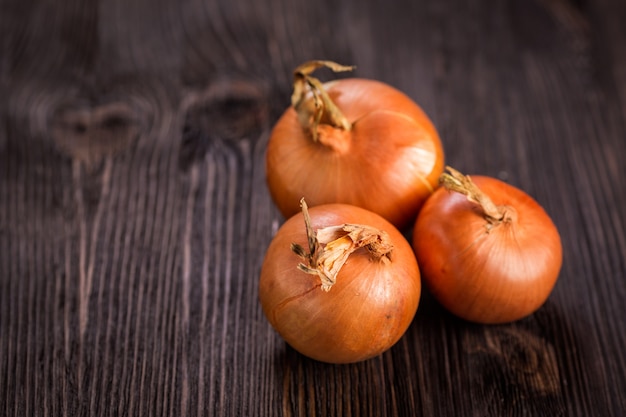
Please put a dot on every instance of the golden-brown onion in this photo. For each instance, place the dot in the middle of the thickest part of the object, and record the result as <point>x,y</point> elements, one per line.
<point>388,160</point>
<point>366,310</point>
<point>481,268</point>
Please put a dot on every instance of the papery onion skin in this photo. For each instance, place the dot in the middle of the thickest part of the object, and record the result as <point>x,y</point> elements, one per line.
<point>389,162</point>
<point>366,311</point>
<point>495,276</point>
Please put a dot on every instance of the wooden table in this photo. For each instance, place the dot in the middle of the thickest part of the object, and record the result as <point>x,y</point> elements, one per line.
<point>134,213</point>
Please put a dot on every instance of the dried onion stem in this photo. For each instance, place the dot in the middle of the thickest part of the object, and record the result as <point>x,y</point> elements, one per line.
<point>330,247</point>
<point>322,104</point>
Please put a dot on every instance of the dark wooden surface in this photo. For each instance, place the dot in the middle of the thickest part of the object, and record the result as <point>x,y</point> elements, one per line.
<point>134,213</point>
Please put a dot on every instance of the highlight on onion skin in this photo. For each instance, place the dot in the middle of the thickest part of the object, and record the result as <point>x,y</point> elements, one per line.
<point>361,312</point>
<point>486,263</point>
<point>353,141</point>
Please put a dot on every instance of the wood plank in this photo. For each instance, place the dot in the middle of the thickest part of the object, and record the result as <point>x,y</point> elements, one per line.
<point>134,214</point>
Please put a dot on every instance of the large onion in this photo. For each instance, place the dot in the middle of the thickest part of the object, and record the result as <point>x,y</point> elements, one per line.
<point>348,297</point>
<point>487,251</point>
<point>353,141</point>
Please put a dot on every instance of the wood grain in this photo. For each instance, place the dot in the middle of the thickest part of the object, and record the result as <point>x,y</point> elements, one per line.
<point>134,214</point>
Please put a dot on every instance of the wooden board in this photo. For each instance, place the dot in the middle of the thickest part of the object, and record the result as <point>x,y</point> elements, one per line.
<point>134,213</point>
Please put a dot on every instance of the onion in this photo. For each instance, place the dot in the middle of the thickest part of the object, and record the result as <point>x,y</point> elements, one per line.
<point>353,141</point>
<point>351,295</point>
<point>487,251</point>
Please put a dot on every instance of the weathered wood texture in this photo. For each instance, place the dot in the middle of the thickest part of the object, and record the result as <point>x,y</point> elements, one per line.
<point>134,213</point>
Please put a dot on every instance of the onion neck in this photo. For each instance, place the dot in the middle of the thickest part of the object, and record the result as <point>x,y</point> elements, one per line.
<point>321,107</point>
<point>455,181</point>
<point>330,247</point>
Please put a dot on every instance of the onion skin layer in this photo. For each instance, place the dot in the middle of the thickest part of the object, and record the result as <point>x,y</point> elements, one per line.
<point>366,311</point>
<point>389,162</point>
<point>494,276</point>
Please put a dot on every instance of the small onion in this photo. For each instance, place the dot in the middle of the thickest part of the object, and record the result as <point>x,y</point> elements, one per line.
<point>351,295</point>
<point>487,251</point>
<point>353,141</point>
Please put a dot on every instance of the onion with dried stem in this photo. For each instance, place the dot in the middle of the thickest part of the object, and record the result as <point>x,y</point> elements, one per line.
<point>487,251</point>
<point>339,283</point>
<point>353,141</point>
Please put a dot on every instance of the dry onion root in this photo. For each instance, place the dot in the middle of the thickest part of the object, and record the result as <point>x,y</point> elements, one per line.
<point>351,294</point>
<point>487,251</point>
